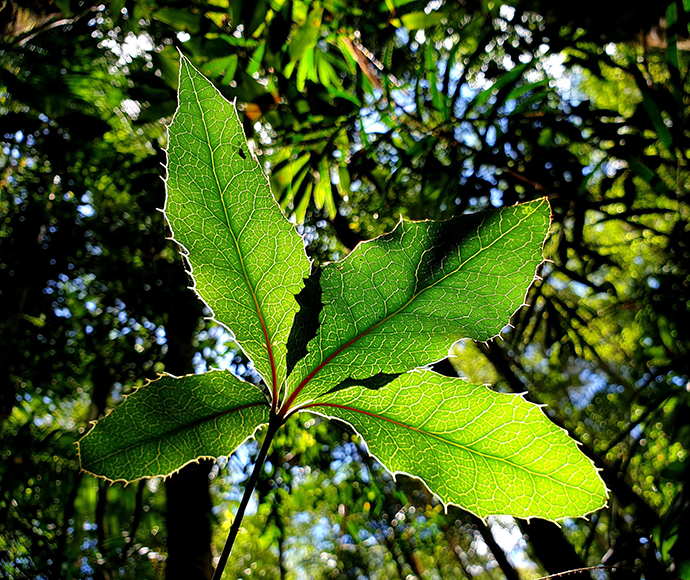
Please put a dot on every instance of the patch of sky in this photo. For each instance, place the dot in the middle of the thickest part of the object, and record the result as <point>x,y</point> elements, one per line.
<point>131,108</point>
<point>612,166</point>
<point>467,169</point>
<point>679,381</point>
<point>235,468</point>
<point>371,122</point>
<point>509,151</point>
<point>506,12</point>
<point>579,288</point>
<point>591,384</point>
<point>132,47</point>
<point>465,133</point>
<point>487,173</point>
<point>160,335</point>
<point>43,421</point>
<point>63,312</point>
<point>86,210</point>
<point>636,431</point>
<point>510,538</point>
<point>490,137</point>
<point>558,283</point>
<point>507,108</point>
<point>94,250</point>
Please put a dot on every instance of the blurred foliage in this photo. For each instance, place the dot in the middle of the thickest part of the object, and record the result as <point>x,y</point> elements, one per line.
<point>361,112</point>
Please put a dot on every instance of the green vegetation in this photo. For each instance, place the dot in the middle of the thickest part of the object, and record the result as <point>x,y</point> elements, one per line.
<point>359,113</point>
<point>395,302</point>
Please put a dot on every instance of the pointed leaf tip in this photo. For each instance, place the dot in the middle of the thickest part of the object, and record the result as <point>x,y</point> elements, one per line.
<point>246,259</point>
<point>171,422</point>
<point>489,453</point>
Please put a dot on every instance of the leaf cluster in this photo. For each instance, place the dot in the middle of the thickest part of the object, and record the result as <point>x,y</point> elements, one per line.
<point>393,305</point>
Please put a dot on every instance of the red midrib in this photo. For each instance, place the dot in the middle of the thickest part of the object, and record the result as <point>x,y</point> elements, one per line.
<point>361,412</point>
<point>271,360</point>
<point>286,406</point>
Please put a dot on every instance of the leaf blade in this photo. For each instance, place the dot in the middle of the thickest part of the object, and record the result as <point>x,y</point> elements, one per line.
<point>381,304</point>
<point>171,422</point>
<point>245,257</point>
<point>490,453</point>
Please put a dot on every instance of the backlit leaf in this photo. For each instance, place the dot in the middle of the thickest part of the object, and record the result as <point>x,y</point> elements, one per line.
<point>416,20</point>
<point>363,325</point>
<point>400,301</point>
<point>247,260</point>
<point>306,34</point>
<point>491,453</point>
<point>171,422</point>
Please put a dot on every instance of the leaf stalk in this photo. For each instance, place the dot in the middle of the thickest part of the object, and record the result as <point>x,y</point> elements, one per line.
<point>274,424</point>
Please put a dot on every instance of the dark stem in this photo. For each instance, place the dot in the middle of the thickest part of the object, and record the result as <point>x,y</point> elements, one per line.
<point>499,555</point>
<point>136,520</point>
<point>273,427</point>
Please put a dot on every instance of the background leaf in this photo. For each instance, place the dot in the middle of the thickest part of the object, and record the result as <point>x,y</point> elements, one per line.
<point>490,453</point>
<point>172,421</point>
<point>247,260</point>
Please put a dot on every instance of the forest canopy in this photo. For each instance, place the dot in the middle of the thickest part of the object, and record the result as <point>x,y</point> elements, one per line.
<point>360,113</point>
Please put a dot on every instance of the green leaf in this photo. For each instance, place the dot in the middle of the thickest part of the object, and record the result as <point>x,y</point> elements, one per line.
<point>417,20</point>
<point>305,36</point>
<point>218,66</point>
<point>256,60</point>
<point>179,19</point>
<point>672,35</point>
<point>431,59</point>
<point>172,422</point>
<point>229,75</point>
<point>400,301</point>
<point>490,453</point>
<point>247,260</point>
<point>323,195</point>
<point>305,68</point>
<point>657,120</point>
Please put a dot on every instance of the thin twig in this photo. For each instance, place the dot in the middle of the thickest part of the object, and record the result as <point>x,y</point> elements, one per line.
<point>55,24</point>
<point>603,567</point>
<point>273,427</point>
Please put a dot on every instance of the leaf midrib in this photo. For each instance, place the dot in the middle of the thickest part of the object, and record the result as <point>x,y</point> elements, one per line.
<point>220,190</point>
<point>437,436</point>
<point>361,335</point>
<point>179,429</point>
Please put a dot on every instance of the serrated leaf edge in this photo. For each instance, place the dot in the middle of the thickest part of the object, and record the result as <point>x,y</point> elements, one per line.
<point>184,252</point>
<point>292,397</point>
<point>165,476</point>
<point>445,504</point>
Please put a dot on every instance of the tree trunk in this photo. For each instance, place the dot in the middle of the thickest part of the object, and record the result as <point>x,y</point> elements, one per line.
<point>188,516</point>
<point>188,523</point>
<point>555,553</point>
